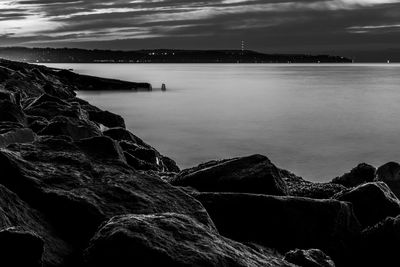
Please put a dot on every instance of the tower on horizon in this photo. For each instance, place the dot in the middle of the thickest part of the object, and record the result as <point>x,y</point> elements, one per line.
<point>242,46</point>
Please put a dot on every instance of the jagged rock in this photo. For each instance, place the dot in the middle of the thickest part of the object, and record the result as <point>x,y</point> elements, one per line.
<point>26,237</point>
<point>252,174</point>
<point>169,240</point>
<point>299,187</point>
<point>16,135</point>
<point>284,223</point>
<point>390,174</point>
<point>37,123</point>
<point>372,202</point>
<point>309,258</point>
<point>12,113</point>
<point>10,97</point>
<point>76,129</point>
<point>50,109</point>
<point>78,185</point>
<point>121,134</point>
<point>20,248</point>
<point>107,118</point>
<point>140,152</point>
<point>378,244</point>
<point>363,173</point>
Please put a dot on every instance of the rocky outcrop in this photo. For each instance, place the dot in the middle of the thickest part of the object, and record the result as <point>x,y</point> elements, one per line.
<point>377,246</point>
<point>75,128</point>
<point>252,174</point>
<point>362,173</point>
<point>169,240</point>
<point>299,187</point>
<point>140,155</point>
<point>390,174</point>
<point>284,223</point>
<point>372,202</point>
<point>309,258</point>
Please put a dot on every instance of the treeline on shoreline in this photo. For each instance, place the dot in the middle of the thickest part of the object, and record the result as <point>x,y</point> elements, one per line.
<point>72,55</point>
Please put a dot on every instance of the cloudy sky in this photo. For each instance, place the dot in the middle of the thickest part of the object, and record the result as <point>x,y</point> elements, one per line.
<point>306,26</point>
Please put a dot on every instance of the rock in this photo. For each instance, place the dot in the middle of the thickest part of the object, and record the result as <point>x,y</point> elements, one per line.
<point>378,244</point>
<point>12,113</point>
<point>51,109</point>
<point>107,118</point>
<point>363,173</point>
<point>75,128</point>
<point>252,174</point>
<point>10,97</point>
<point>140,152</point>
<point>284,223</point>
<point>390,174</point>
<point>169,239</point>
<point>372,202</point>
<point>20,248</point>
<point>78,185</point>
<point>121,134</point>
<point>299,187</point>
<point>26,236</point>
<point>37,123</point>
<point>309,258</point>
<point>17,135</point>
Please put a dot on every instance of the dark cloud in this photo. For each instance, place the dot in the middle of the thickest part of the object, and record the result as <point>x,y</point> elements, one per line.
<point>306,26</point>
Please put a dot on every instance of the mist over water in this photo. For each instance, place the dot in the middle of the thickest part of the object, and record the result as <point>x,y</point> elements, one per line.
<point>318,121</point>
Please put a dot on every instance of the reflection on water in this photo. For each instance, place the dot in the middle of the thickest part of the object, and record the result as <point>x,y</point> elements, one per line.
<point>316,120</point>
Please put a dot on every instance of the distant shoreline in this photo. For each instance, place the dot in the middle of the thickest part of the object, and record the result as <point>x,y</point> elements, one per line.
<point>67,55</point>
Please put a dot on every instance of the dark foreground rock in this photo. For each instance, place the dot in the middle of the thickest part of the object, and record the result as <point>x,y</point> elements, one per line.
<point>362,173</point>
<point>372,202</point>
<point>284,223</point>
<point>169,240</point>
<point>378,244</point>
<point>253,174</point>
<point>390,174</point>
<point>78,185</point>
<point>309,258</point>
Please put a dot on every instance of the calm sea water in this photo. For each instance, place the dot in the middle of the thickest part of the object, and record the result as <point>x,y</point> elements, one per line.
<point>318,121</point>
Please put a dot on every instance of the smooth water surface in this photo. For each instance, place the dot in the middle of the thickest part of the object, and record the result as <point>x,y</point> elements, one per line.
<point>318,121</point>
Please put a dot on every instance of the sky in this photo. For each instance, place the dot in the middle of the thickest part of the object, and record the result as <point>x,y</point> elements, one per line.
<point>355,28</point>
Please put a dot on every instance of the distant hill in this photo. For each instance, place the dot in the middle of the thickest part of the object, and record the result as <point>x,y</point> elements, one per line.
<point>70,55</point>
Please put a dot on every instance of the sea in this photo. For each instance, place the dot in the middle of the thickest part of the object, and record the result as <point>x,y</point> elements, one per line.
<point>316,120</point>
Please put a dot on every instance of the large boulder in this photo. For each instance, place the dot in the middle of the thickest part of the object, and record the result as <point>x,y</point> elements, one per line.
<point>107,118</point>
<point>362,173</point>
<point>284,223</point>
<point>16,135</point>
<point>252,174</point>
<point>20,247</point>
<point>141,155</point>
<point>26,237</point>
<point>378,244</point>
<point>75,128</point>
<point>309,258</point>
<point>169,240</point>
<point>372,202</point>
<point>11,112</point>
<point>390,174</point>
<point>80,184</point>
<point>50,106</point>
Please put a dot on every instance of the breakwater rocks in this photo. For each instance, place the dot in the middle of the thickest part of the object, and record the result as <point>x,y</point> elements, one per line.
<point>79,189</point>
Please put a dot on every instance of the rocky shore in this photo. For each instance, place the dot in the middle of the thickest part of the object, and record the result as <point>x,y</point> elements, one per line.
<point>79,189</point>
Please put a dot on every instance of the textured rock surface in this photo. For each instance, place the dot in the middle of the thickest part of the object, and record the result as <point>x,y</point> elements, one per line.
<point>284,223</point>
<point>169,240</point>
<point>309,258</point>
<point>363,173</point>
<point>299,187</point>
<point>372,202</point>
<point>378,244</point>
<point>252,174</point>
<point>390,174</point>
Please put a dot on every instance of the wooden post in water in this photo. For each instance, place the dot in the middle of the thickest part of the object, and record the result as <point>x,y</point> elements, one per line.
<point>163,87</point>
